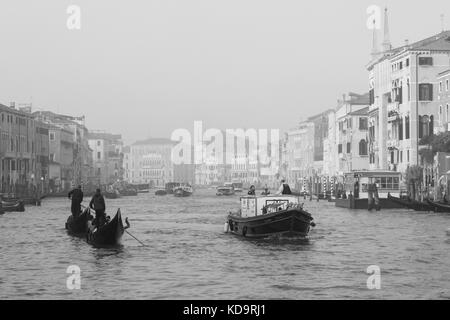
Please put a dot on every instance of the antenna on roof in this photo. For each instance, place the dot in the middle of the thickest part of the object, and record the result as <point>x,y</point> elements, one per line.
<point>442,22</point>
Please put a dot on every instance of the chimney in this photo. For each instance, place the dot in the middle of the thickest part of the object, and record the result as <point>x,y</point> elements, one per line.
<point>12,105</point>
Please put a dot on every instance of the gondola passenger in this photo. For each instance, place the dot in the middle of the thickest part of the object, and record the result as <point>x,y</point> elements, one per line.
<point>98,204</point>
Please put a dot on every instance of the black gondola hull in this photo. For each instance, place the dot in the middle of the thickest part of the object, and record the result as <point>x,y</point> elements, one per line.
<point>12,206</point>
<point>439,207</point>
<point>78,225</point>
<point>108,234</point>
<point>286,223</point>
<point>411,204</point>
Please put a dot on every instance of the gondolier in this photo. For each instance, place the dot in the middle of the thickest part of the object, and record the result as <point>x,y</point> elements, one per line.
<point>98,204</point>
<point>283,189</point>
<point>76,195</point>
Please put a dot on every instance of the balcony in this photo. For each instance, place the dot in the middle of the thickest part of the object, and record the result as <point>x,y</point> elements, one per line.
<point>392,144</point>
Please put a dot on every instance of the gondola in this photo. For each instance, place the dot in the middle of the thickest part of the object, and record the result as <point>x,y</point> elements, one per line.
<point>12,206</point>
<point>160,192</point>
<point>439,207</point>
<point>411,204</point>
<point>109,234</point>
<point>79,225</point>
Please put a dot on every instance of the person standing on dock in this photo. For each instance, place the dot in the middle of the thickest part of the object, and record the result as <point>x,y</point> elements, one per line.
<point>283,189</point>
<point>76,195</point>
<point>98,204</point>
<point>252,191</point>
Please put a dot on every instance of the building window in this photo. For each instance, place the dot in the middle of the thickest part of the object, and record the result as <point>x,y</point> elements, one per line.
<point>446,85</point>
<point>425,61</point>
<point>99,155</point>
<point>400,129</point>
<point>363,123</point>
<point>348,147</point>
<point>440,86</point>
<point>363,147</point>
<point>407,128</point>
<point>339,148</point>
<point>407,155</point>
<point>99,143</point>
<point>52,136</point>
<point>407,62</point>
<point>425,92</point>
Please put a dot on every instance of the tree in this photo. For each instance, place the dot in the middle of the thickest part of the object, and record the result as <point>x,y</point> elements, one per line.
<point>414,178</point>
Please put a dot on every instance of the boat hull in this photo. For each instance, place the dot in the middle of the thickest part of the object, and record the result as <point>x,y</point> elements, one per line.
<point>286,223</point>
<point>160,192</point>
<point>439,207</point>
<point>12,206</point>
<point>79,225</point>
<point>107,235</point>
<point>364,204</point>
<point>414,205</point>
<point>182,193</point>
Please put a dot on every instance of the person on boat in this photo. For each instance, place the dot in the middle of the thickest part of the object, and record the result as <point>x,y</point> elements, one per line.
<point>283,189</point>
<point>252,191</point>
<point>98,204</point>
<point>76,195</point>
<point>266,191</point>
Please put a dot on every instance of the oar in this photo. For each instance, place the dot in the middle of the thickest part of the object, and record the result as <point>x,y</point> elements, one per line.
<point>136,239</point>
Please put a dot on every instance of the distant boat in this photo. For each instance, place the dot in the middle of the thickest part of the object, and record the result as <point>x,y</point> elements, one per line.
<point>12,206</point>
<point>161,192</point>
<point>225,191</point>
<point>128,192</point>
<point>267,216</point>
<point>238,186</point>
<point>412,204</point>
<point>111,194</point>
<point>170,186</point>
<point>183,191</point>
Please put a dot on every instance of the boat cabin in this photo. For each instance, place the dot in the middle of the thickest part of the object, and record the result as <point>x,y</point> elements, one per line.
<point>252,206</point>
<point>359,183</point>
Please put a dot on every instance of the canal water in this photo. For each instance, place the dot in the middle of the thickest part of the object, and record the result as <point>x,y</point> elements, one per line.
<point>188,256</point>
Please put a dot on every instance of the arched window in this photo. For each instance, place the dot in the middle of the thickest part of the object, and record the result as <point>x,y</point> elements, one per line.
<point>363,147</point>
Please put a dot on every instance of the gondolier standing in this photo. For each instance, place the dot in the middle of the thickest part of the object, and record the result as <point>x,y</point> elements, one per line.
<point>98,204</point>
<point>76,195</point>
<point>283,189</point>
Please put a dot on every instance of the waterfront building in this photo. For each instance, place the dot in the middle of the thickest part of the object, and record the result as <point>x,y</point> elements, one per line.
<point>126,164</point>
<point>352,133</point>
<point>403,85</point>
<point>299,153</point>
<point>107,157</point>
<point>17,169</point>
<point>42,151</point>
<point>61,155</point>
<point>151,162</point>
<point>443,101</point>
<point>330,146</point>
<point>81,166</point>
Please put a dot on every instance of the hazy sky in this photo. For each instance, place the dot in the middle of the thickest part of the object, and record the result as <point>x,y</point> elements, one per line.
<point>145,68</point>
